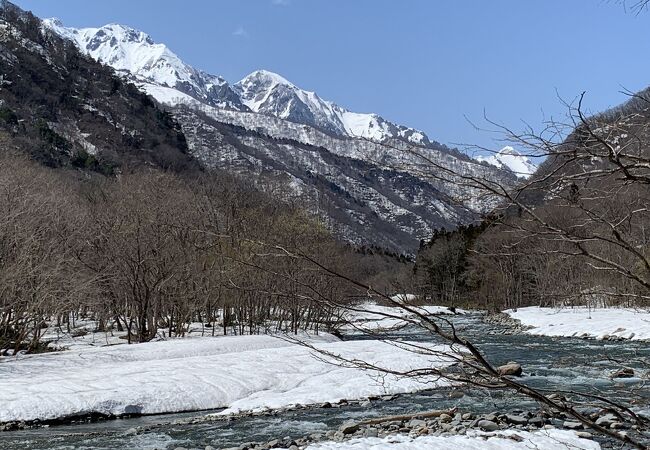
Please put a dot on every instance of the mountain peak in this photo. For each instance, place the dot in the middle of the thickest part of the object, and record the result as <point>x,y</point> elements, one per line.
<point>164,75</point>
<point>512,160</point>
<point>508,150</point>
<point>267,76</point>
<point>126,33</point>
<point>54,21</point>
<point>154,66</point>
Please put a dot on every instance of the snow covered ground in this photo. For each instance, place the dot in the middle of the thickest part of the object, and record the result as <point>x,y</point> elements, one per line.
<point>237,372</point>
<point>372,317</point>
<point>600,323</point>
<point>84,334</point>
<point>509,439</point>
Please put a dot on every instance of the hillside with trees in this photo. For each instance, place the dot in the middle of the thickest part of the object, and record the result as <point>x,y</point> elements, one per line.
<point>576,233</point>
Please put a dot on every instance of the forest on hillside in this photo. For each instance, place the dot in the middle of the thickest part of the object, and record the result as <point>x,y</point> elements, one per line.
<point>149,250</point>
<point>575,233</point>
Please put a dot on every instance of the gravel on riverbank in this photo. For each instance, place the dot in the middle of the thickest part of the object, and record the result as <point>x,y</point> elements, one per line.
<point>451,429</point>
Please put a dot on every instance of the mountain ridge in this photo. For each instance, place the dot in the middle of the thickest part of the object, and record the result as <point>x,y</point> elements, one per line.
<point>67,110</point>
<point>364,176</point>
<point>163,67</point>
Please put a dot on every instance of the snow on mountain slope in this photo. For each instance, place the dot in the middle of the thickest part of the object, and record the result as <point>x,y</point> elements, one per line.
<point>134,53</point>
<point>269,93</point>
<point>367,192</point>
<point>511,159</point>
<point>360,200</point>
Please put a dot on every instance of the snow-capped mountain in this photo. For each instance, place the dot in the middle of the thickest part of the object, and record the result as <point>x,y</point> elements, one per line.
<point>101,125</point>
<point>511,159</point>
<point>337,161</point>
<point>134,53</point>
<point>162,72</point>
<point>268,93</point>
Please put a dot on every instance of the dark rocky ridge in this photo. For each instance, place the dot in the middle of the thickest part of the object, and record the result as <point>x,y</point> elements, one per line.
<point>65,109</point>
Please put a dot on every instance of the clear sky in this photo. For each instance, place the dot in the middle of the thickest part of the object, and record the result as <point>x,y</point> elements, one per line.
<point>421,63</point>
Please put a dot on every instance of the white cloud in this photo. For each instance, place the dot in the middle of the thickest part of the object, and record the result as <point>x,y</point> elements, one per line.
<point>240,32</point>
<point>281,2</point>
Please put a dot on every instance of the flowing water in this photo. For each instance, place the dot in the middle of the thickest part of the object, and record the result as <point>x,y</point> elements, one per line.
<point>552,363</point>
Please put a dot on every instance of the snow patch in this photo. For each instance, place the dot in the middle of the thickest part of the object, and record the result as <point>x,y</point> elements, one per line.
<point>371,317</point>
<point>503,440</point>
<point>598,323</point>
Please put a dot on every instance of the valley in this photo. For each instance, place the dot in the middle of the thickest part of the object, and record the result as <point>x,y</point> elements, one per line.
<point>188,261</point>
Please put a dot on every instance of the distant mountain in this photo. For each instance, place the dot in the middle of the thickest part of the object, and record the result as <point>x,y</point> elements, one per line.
<point>134,52</point>
<point>511,159</point>
<point>372,181</point>
<point>268,93</point>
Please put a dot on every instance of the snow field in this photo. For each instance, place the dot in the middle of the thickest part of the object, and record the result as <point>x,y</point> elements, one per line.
<point>372,317</point>
<point>239,373</point>
<point>599,323</point>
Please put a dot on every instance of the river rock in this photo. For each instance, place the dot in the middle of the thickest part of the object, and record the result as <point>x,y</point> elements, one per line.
<point>572,425</point>
<point>349,428</point>
<point>510,369</point>
<point>625,372</point>
<point>492,417</point>
<point>487,425</point>
<point>606,420</point>
<point>456,394</point>
<point>516,420</point>
<point>417,423</point>
<point>371,433</point>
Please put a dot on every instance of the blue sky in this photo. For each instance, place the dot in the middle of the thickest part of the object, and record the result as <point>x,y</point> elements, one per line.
<point>422,63</point>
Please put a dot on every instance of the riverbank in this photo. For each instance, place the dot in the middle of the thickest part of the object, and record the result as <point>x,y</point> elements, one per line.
<point>583,322</point>
<point>444,430</point>
<point>238,373</point>
<point>547,439</point>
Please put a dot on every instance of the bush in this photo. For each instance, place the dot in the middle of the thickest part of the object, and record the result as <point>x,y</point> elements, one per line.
<point>8,116</point>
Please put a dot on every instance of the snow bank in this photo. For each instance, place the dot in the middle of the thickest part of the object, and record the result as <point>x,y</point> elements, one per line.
<point>238,373</point>
<point>601,323</point>
<point>373,317</point>
<point>543,439</point>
